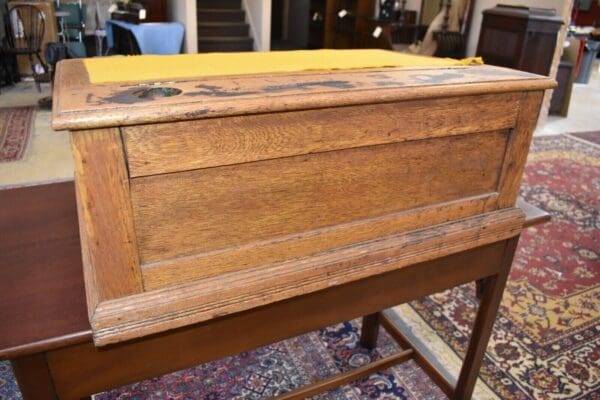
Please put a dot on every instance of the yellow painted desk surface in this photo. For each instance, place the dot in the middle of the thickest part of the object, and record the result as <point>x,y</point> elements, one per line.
<point>152,67</point>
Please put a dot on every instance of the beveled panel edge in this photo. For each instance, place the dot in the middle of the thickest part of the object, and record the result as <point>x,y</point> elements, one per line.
<point>167,148</point>
<point>80,105</point>
<point>208,209</point>
<point>160,310</point>
<point>180,269</point>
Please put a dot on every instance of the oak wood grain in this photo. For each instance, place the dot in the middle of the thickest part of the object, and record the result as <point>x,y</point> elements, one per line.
<point>279,185</point>
<point>84,105</point>
<point>518,148</point>
<point>210,209</point>
<point>110,259</point>
<point>164,148</point>
<point>202,300</point>
<point>184,269</point>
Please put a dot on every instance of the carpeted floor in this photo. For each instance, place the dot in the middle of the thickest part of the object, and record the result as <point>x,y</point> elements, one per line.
<point>593,137</point>
<point>277,368</point>
<point>15,130</point>
<point>546,341</point>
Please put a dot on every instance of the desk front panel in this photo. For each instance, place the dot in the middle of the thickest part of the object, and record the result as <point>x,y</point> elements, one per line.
<point>275,186</point>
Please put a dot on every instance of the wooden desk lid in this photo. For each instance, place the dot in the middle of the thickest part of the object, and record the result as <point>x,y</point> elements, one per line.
<point>248,190</point>
<point>79,104</point>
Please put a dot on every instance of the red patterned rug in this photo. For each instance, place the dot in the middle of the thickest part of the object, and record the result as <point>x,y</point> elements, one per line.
<point>15,130</point>
<point>546,341</point>
<point>278,368</point>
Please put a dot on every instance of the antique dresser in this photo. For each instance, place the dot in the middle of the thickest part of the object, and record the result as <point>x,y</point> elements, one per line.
<point>210,185</point>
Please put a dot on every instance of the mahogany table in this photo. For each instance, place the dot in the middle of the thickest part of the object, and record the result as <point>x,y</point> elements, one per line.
<point>46,334</point>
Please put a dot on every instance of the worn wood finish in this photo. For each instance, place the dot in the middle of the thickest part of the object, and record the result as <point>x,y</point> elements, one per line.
<point>183,269</point>
<point>111,262</point>
<point>73,366</point>
<point>279,185</point>
<point>346,377</point>
<point>182,146</point>
<point>518,148</point>
<point>201,300</point>
<point>82,105</point>
<point>215,208</point>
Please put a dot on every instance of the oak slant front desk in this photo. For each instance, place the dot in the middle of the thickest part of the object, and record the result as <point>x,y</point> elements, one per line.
<point>276,203</point>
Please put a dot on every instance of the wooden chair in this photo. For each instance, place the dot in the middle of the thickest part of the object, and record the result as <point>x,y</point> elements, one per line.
<point>449,43</point>
<point>26,32</point>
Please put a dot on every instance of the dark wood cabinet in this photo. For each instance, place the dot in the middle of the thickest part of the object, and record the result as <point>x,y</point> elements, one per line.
<point>519,37</point>
<point>562,94</point>
<point>338,24</point>
<point>404,32</point>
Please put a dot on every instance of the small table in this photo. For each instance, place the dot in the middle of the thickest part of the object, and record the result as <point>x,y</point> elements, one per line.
<point>47,337</point>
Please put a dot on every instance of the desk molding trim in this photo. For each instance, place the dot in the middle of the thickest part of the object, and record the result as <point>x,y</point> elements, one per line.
<point>209,298</point>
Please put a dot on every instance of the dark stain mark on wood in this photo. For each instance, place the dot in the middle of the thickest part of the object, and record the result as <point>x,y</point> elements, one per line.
<point>88,98</point>
<point>388,83</point>
<point>379,76</point>
<point>137,95</point>
<point>216,91</point>
<point>437,78</point>
<point>307,85</point>
<point>197,113</point>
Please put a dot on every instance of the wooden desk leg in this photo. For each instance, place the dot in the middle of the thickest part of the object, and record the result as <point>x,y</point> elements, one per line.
<point>493,288</point>
<point>33,377</point>
<point>370,330</point>
<point>479,288</point>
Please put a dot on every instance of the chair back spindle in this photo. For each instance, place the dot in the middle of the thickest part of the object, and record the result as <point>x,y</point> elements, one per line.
<point>27,25</point>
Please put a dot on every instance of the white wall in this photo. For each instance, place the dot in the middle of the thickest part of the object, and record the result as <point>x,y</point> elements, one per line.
<point>481,5</point>
<point>184,11</point>
<point>258,15</point>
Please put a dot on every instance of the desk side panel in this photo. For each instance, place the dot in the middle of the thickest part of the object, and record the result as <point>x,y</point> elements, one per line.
<point>111,257</point>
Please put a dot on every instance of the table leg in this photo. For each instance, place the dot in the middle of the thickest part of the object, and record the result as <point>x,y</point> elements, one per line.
<point>370,330</point>
<point>479,288</point>
<point>33,377</point>
<point>492,291</point>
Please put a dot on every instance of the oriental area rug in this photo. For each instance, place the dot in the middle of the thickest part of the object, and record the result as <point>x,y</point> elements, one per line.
<point>15,130</point>
<point>546,340</point>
